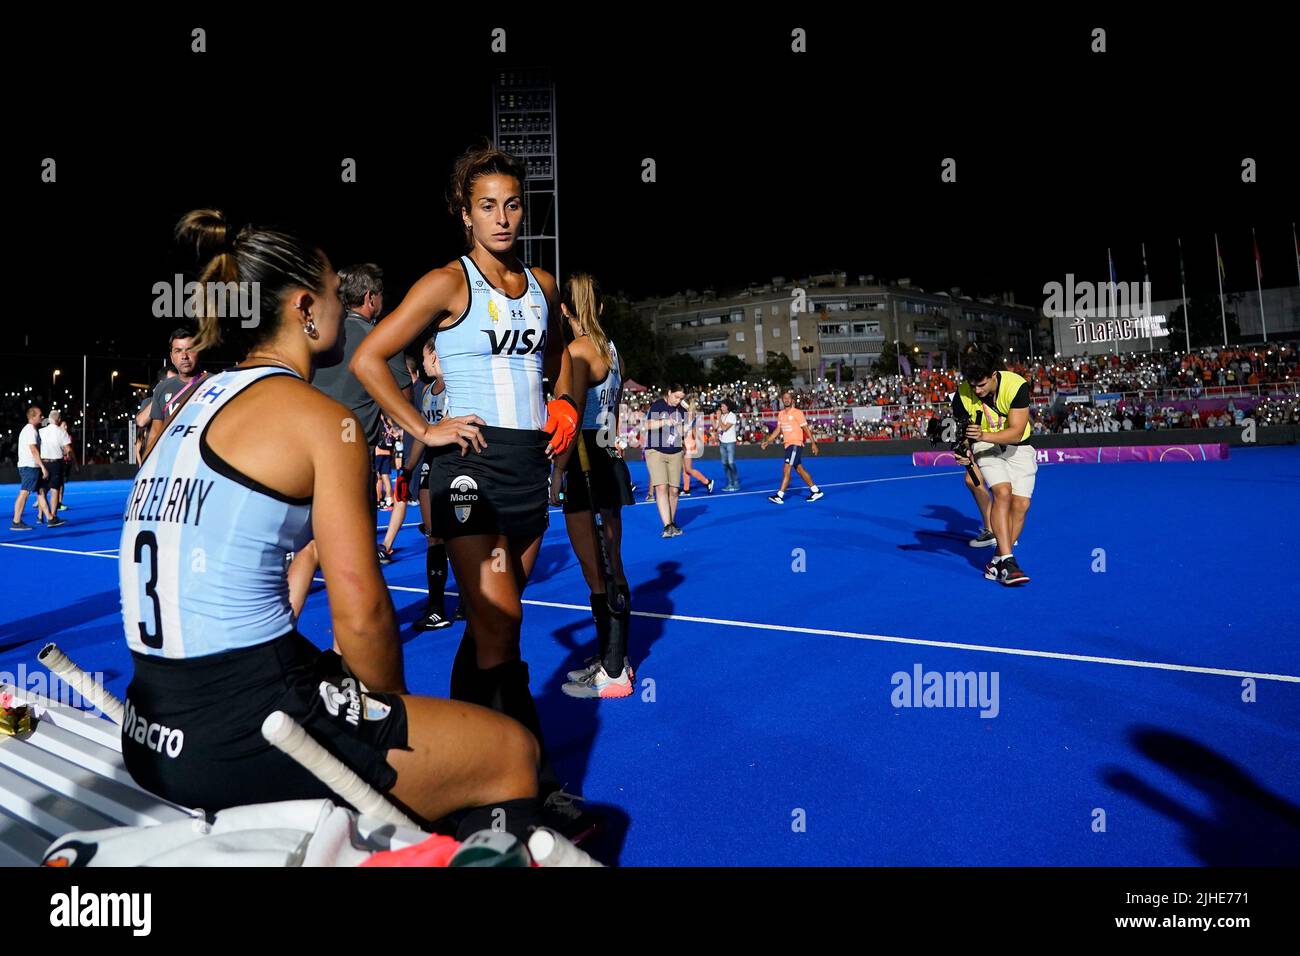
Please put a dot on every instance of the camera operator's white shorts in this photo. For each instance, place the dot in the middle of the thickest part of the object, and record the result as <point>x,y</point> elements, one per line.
<point>1017,465</point>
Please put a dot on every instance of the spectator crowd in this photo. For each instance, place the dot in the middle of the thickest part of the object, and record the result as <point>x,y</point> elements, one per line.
<point>904,402</point>
<point>1124,392</point>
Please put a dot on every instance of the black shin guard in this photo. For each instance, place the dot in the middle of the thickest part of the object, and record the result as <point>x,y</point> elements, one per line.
<point>516,817</point>
<point>435,571</point>
<point>505,690</point>
<point>600,611</point>
<point>619,621</point>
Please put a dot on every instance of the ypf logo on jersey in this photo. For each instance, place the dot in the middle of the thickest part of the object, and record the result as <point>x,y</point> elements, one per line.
<point>464,495</point>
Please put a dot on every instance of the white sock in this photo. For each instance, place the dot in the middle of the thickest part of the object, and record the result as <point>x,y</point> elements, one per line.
<point>815,489</point>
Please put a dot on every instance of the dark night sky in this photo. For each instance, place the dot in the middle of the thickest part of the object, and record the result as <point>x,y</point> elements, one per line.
<point>768,163</point>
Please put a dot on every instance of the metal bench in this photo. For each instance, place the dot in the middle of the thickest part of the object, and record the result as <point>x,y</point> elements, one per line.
<point>67,775</point>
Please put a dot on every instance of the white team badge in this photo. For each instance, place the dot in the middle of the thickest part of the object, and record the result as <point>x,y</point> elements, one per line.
<point>464,493</point>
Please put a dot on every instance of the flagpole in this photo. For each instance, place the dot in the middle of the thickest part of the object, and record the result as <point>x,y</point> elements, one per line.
<point>1110,309</point>
<point>84,380</point>
<point>1297,253</point>
<point>1259,283</point>
<point>1146,287</point>
<point>1182,277</point>
<point>1219,269</point>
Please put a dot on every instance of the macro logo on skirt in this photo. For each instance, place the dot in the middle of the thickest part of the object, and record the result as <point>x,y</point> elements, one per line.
<point>464,493</point>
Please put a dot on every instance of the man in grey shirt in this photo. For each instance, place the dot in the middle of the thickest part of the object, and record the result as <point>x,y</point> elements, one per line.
<point>361,287</point>
<point>185,360</point>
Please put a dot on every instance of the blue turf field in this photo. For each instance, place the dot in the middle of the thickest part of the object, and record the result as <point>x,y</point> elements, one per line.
<point>772,687</point>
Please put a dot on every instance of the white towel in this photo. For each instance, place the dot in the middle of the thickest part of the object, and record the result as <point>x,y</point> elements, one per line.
<point>290,833</point>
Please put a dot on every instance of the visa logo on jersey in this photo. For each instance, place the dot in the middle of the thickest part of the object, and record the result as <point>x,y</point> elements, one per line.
<point>516,341</point>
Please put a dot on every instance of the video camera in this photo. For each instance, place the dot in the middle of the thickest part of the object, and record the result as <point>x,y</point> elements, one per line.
<point>960,445</point>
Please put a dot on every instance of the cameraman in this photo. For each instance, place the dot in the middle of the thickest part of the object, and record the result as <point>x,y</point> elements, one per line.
<point>999,401</point>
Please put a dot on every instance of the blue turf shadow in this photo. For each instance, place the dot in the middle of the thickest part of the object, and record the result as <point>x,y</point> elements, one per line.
<point>571,725</point>
<point>1247,825</point>
<point>551,560</point>
<point>606,844</point>
<point>958,529</point>
<point>37,628</point>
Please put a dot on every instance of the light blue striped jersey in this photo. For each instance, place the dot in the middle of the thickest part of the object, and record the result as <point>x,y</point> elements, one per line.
<point>201,562</point>
<point>602,396</point>
<point>432,407</point>
<point>492,357</point>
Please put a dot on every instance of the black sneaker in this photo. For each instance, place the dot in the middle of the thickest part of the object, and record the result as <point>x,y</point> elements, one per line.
<point>1009,573</point>
<point>710,486</point>
<point>776,499</point>
<point>991,570</point>
<point>817,494</point>
<point>432,622</point>
<point>561,813</point>
<point>385,557</point>
<point>677,532</point>
<point>667,532</point>
<point>683,494</point>
<point>985,539</point>
<point>56,521</point>
<point>20,526</point>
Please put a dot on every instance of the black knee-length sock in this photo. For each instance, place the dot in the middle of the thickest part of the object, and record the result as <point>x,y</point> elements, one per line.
<point>465,672</point>
<point>504,688</point>
<point>600,611</point>
<point>516,817</point>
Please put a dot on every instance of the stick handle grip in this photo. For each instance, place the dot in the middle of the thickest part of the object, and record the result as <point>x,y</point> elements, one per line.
<point>286,735</point>
<point>72,675</point>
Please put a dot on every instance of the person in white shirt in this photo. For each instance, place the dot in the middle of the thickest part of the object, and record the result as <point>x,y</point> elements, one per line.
<point>30,469</point>
<point>54,447</point>
<point>726,429</point>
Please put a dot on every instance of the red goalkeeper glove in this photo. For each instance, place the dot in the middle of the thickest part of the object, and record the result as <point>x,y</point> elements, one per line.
<point>561,424</point>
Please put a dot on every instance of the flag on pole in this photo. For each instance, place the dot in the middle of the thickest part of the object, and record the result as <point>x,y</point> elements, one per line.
<point>1259,270</point>
<point>1111,261</point>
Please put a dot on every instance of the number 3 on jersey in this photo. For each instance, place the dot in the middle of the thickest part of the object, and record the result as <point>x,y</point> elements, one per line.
<point>147,539</point>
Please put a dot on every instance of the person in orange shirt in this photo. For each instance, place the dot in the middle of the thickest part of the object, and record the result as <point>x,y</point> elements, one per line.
<point>793,428</point>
